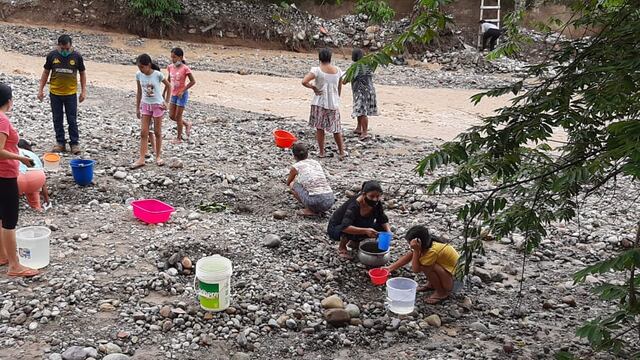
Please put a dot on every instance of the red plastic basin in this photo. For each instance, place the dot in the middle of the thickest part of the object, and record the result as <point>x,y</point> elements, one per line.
<point>378,276</point>
<point>152,211</point>
<point>284,139</point>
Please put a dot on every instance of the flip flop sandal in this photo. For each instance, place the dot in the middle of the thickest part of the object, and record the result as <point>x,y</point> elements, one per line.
<point>435,300</point>
<point>24,273</point>
<point>304,214</point>
<point>344,255</point>
<point>424,288</point>
<point>135,166</point>
<point>4,262</point>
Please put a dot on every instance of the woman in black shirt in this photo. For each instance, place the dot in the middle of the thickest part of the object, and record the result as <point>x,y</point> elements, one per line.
<point>361,217</point>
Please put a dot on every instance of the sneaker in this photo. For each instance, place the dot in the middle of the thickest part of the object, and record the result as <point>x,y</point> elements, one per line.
<point>58,148</point>
<point>75,149</point>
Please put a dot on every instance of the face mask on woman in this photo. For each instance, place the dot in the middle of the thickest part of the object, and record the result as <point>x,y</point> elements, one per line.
<point>370,202</point>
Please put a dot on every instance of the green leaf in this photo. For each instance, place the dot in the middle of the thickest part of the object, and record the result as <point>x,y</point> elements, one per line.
<point>564,355</point>
<point>623,261</point>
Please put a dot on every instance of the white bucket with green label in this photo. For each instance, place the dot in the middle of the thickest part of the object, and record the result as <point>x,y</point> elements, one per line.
<point>213,282</point>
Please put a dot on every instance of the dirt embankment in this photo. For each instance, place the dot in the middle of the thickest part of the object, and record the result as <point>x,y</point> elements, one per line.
<point>262,24</point>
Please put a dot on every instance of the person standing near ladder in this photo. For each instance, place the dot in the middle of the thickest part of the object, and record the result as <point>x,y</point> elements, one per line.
<point>490,32</point>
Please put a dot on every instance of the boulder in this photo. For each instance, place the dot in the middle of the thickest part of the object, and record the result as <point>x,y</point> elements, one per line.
<point>332,302</point>
<point>337,317</point>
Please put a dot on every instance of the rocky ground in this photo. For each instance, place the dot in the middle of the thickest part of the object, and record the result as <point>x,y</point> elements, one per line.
<point>117,288</point>
<point>115,285</point>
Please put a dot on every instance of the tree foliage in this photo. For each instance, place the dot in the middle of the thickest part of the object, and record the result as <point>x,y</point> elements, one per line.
<point>160,14</point>
<point>588,91</point>
<point>522,178</point>
<point>378,11</point>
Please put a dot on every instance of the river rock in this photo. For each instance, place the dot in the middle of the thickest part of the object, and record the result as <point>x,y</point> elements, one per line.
<point>166,312</point>
<point>332,302</point>
<point>116,357</point>
<point>111,348</point>
<point>480,327</point>
<point>241,356</point>
<point>433,320</point>
<point>272,241</point>
<point>353,310</point>
<point>75,353</point>
<point>20,319</point>
<point>107,307</point>
<point>120,175</point>
<point>483,274</point>
<point>337,317</point>
<point>569,300</point>
<point>508,347</point>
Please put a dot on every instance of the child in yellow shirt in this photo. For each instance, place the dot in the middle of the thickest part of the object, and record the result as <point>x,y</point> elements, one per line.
<point>434,258</point>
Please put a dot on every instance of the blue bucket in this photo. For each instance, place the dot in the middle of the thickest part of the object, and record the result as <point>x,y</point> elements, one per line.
<point>384,240</point>
<point>82,171</point>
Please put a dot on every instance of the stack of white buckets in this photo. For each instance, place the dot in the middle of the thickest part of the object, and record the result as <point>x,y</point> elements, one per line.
<point>33,246</point>
<point>33,241</point>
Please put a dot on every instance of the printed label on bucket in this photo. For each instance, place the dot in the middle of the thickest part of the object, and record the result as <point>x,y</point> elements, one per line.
<point>24,253</point>
<point>213,296</point>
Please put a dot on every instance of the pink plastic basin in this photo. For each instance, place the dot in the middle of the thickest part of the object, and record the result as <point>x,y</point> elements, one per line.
<point>152,211</point>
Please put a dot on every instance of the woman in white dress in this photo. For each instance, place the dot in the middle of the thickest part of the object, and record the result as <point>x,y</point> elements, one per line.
<point>325,106</point>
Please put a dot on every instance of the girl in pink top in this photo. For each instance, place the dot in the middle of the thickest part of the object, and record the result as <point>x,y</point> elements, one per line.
<point>178,74</point>
<point>9,201</point>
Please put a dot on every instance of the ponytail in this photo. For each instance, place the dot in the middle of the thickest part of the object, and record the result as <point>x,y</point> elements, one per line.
<point>145,59</point>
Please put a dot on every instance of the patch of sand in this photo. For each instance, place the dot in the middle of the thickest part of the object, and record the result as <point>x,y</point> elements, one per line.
<point>434,113</point>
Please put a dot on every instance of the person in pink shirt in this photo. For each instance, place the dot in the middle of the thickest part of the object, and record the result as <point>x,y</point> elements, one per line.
<point>178,74</point>
<point>10,160</point>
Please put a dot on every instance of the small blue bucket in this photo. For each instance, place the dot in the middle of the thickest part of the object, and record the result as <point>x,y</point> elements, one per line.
<point>384,240</point>
<point>82,171</point>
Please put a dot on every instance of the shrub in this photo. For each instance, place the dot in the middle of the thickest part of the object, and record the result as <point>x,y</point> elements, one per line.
<point>157,13</point>
<point>378,11</point>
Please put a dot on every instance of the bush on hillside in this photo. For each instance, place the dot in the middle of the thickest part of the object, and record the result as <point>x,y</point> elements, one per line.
<point>378,11</point>
<point>157,14</point>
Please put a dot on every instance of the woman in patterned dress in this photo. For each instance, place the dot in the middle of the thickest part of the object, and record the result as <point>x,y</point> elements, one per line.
<point>325,106</point>
<point>364,97</point>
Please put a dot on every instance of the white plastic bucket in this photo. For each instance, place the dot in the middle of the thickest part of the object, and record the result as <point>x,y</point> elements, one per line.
<point>33,246</point>
<point>51,161</point>
<point>401,295</point>
<point>213,282</point>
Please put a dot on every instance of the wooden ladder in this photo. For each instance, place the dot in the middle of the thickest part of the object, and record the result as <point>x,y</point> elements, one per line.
<point>495,9</point>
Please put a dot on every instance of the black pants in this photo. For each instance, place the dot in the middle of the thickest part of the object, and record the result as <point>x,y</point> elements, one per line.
<point>492,35</point>
<point>61,105</point>
<point>9,203</point>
